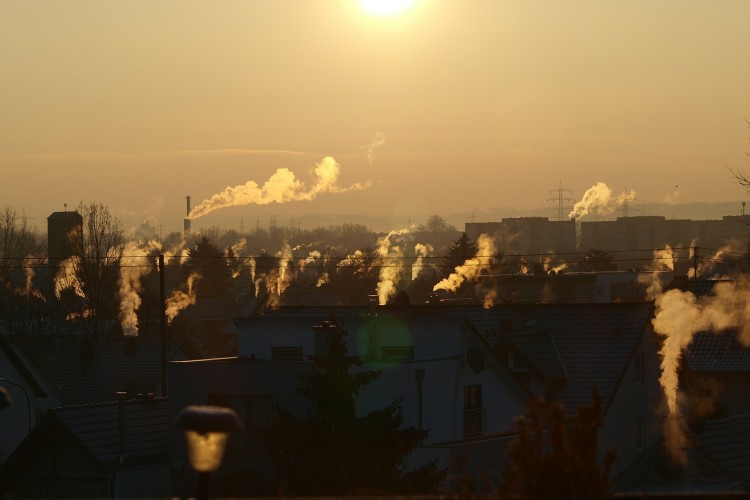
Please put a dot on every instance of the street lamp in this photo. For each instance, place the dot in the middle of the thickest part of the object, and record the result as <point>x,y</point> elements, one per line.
<point>207,430</point>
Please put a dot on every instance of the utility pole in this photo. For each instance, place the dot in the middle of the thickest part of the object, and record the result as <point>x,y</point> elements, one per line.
<point>695,262</point>
<point>561,201</point>
<point>163,327</point>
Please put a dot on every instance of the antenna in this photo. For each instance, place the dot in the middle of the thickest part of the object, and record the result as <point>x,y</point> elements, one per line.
<point>563,203</point>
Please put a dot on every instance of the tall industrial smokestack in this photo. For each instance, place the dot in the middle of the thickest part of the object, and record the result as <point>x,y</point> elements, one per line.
<point>186,221</point>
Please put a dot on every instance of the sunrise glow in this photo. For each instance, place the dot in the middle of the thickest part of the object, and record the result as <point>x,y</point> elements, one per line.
<point>385,7</point>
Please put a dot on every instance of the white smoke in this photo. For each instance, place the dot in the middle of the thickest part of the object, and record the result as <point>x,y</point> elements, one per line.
<point>421,251</point>
<point>599,198</point>
<point>391,263</point>
<point>377,140</point>
<point>133,266</point>
<point>679,316</point>
<point>180,300</point>
<point>471,267</point>
<point>66,277</point>
<point>282,187</point>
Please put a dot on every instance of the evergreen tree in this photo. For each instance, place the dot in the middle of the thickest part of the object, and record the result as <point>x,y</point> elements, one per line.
<point>461,250</point>
<point>209,262</point>
<point>332,451</point>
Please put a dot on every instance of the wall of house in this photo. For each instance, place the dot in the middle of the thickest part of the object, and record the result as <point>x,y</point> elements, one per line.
<point>61,470</point>
<point>636,404</point>
<point>15,420</point>
<point>148,481</point>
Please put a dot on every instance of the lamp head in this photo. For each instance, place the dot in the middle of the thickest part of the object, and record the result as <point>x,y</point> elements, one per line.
<point>207,430</point>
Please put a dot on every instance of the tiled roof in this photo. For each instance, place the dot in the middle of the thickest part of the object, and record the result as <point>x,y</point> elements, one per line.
<point>110,370</point>
<point>717,352</point>
<point>727,442</point>
<point>540,349</point>
<point>96,426</point>
<point>595,341</point>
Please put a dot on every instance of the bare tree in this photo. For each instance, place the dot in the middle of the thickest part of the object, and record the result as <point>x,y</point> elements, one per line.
<point>743,178</point>
<point>96,270</point>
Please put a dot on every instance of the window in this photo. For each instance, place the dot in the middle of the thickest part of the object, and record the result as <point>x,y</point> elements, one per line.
<point>255,412</point>
<point>474,412</point>
<point>287,353</point>
<point>398,353</point>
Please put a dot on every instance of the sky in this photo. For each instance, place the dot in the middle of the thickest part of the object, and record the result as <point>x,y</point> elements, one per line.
<point>448,106</point>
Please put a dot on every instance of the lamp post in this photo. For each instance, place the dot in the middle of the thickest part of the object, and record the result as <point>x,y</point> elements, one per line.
<point>207,430</point>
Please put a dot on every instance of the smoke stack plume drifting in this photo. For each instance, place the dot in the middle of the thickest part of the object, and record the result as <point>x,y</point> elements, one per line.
<point>599,198</point>
<point>471,267</point>
<point>678,317</point>
<point>186,221</point>
<point>282,187</point>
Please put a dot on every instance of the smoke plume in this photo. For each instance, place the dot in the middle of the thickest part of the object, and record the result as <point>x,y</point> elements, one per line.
<point>472,267</point>
<point>421,251</point>
<point>133,266</point>
<point>599,198</point>
<point>377,140</point>
<point>282,187</point>
<point>680,315</point>
<point>391,263</point>
<point>180,300</point>
<point>66,277</point>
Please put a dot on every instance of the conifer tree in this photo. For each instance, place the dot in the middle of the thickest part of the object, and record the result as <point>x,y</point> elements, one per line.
<point>332,451</point>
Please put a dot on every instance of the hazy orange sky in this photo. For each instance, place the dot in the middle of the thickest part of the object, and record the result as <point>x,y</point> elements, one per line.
<point>481,104</point>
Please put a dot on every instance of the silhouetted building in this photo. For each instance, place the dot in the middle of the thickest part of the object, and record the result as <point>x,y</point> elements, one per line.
<point>527,234</point>
<point>64,234</point>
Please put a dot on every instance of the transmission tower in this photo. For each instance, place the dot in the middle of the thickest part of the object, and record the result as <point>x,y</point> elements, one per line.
<point>564,204</point>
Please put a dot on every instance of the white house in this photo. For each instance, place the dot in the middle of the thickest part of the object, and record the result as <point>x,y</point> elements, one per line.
<point>464,372</point>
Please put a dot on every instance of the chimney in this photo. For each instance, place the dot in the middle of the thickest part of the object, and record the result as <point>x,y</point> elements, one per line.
<point>186,221</point>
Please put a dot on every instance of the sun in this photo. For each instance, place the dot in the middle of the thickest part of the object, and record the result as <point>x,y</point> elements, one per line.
<point>385,7</point>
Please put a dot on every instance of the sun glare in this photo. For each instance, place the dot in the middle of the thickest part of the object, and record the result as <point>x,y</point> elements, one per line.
<point>385,7</point>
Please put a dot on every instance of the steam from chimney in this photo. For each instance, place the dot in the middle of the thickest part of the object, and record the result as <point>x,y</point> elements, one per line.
<point>421,251</point>
<point>391,263</point>
<point>132,268</point>
<point>599,198</point>
<point>281,187</point>
<point>285,255</point>
<point>679,316</point>
<point>66,277</point>
<point>180,300</point>
<point>550,267</point>
<point>471,267</point>
<point>29,290</point>
<point>377,141</point>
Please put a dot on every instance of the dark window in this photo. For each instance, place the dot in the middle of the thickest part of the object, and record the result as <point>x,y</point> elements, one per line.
<point>474,411</point>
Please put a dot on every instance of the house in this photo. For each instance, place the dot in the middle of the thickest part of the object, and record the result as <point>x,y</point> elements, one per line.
<point>115,449</point>
<point>30,393</point>
<point>84,371</point>
<point>464,372</point>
